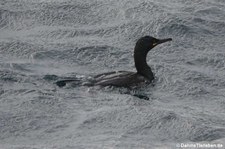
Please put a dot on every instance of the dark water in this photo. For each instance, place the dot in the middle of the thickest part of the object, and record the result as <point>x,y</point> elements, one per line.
<point>43,40</point>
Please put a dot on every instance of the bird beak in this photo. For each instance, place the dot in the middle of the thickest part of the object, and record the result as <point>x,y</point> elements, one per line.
<point>162,41</point>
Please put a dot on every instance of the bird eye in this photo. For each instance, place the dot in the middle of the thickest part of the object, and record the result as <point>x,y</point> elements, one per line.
<point>154,44</point>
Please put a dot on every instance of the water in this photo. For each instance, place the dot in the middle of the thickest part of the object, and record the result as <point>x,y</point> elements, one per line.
<point>41,41</point>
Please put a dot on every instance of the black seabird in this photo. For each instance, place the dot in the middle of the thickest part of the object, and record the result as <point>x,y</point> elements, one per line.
<point>144,73</point>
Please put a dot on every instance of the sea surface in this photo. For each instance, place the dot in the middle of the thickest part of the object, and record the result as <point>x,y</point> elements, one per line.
<point>43,41</point>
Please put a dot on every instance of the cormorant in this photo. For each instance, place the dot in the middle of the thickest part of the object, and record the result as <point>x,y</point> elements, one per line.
<point>144,73</point>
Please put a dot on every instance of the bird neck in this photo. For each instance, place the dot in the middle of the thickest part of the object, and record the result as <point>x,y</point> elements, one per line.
<point>141,65</point>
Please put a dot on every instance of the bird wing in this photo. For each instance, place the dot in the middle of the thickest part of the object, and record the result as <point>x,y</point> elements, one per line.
<point>119,78</point>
